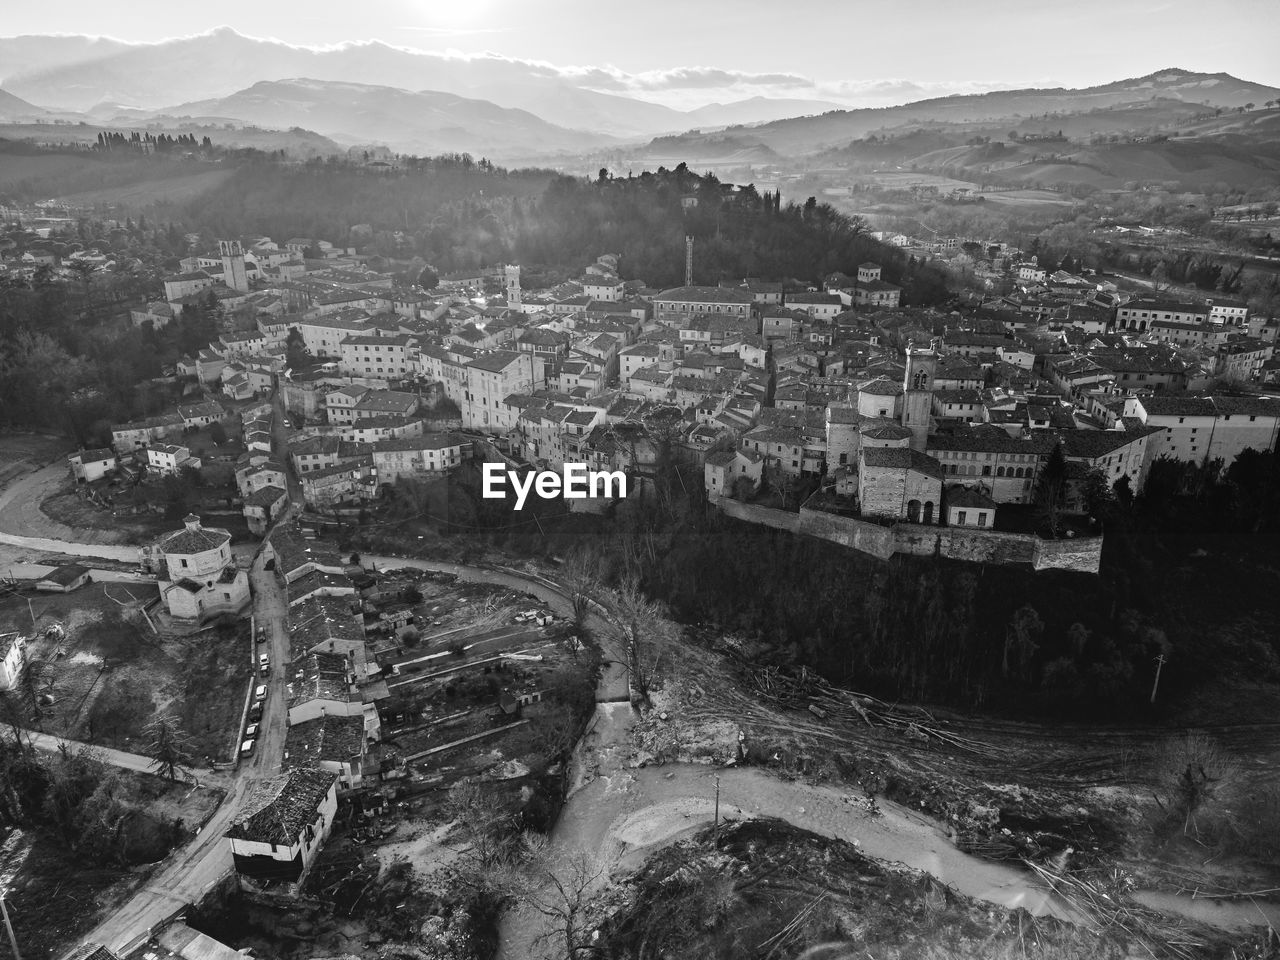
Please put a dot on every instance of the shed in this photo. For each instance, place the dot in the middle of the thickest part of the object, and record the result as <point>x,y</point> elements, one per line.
<point>64,579</point>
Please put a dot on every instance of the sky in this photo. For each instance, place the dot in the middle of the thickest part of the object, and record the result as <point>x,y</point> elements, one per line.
<point>688,52</point>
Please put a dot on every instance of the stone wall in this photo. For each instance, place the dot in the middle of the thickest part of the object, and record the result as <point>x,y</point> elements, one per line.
<point>1082,554</point>
<point>860,535</point>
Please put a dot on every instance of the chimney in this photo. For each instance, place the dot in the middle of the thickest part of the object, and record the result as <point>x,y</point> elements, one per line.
<point>191,522</point>
<point>688,261</point>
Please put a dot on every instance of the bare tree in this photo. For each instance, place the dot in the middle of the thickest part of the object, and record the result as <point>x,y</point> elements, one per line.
<point>580,575</point>
<point>641,629</point>
<point>561,892</point>
<point>34,681</point>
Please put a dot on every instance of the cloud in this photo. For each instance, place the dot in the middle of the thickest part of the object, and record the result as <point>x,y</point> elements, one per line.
<point>453,31</point>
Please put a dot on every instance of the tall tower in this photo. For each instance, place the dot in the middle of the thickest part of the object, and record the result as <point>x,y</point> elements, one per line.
<point>233,272</point>
<point>688,261</point>
<point>917,393</point>
<point>511,274</point>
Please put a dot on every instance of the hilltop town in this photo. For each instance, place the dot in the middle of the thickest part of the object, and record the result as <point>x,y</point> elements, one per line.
<point>279,591</point>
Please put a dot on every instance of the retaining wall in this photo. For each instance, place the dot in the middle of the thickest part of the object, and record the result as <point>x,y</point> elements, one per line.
<point>1083,554</point>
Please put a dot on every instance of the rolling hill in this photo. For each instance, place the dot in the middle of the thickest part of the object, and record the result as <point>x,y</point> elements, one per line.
<point>424,122</point>
<point>1166,96</point>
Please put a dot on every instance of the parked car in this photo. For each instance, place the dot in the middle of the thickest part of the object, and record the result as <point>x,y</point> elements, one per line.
<point>255,712</point>
<point>263,661</point>
<point>262,634</point>
<point>260,693</point>
<point>246,748</point>
<point>251,731</point>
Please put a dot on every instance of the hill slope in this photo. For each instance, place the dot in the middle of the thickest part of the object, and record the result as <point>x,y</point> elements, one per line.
<point>1176,91</point>
<point>15,108</point>
<point>427,122</point>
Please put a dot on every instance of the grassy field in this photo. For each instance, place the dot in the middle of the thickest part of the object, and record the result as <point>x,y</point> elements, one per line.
<point>111,674</point>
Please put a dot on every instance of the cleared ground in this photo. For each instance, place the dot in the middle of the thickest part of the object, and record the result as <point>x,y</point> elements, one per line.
<point>110,673</point>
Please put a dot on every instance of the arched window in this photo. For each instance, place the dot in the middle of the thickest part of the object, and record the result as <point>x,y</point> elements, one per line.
<point>999,471</point>
<point>913,511</point>
<point>928,511</point>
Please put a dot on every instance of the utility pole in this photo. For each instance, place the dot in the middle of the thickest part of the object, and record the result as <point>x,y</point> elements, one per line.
<point>715,823</point>
<point>1160,662</point>
<point>13,941</point>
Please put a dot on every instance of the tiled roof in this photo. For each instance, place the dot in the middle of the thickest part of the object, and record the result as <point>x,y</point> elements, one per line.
<point>276,809</point>
<point>65,575</point>
<point>496,361</point>
<point>881,387</point>
<point>696,294</point>
<point>195,541</point>
<point>961,496</point>
<point>328,738</point>
<point>901,458</point>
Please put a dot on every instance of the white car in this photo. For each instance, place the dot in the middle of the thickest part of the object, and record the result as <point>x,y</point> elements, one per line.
<point>263,661</point>
<point>246,748</point>
<point>251,731</point>
<point>261,692</point>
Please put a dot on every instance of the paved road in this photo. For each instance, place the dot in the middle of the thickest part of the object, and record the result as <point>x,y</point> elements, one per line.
<point>117,758</point>
<point>207,858</point>
<point>188,875</point>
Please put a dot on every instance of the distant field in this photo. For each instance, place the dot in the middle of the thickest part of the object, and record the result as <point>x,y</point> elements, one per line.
<point>16,168</point>
<point>166,190</point>
<point>89,178</point>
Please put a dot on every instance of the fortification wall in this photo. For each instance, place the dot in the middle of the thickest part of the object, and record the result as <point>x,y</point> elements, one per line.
<point>1082,554</point>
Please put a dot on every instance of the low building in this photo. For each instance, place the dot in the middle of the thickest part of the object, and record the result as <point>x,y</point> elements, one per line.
<point>969,507</point>
<point>263,506</point>
<point>725,471</point>
<point>281,824</point>
<point>64,579</point>
<point>167,459</point>
<point>90,465</point>
<point>335,745</point>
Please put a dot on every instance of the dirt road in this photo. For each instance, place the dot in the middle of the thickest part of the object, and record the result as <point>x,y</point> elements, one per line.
<point>20,513</point>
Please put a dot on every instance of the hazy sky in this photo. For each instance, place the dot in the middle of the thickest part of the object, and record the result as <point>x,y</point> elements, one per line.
<point>689,51</point>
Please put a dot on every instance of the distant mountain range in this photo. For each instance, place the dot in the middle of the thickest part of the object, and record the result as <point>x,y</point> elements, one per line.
<point>77,74</point>
<point>512,110</point>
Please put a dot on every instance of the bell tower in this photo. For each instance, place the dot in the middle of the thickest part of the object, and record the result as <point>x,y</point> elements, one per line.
<point>511,281</point>
<point>917,393</point>
<point>233,270</point>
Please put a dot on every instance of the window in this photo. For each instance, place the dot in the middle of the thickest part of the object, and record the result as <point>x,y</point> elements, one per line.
<point>961,517</point>
<point>982,519</point>
<point>184,563</point>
